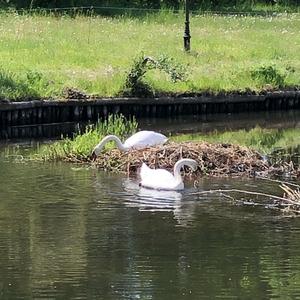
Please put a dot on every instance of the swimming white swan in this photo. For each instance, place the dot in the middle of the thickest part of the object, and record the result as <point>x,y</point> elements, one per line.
<point>149,199</point>
<point>161,179</point>
<point>139,140</point>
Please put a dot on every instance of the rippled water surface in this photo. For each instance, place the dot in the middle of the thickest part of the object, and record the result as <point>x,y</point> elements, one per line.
<point>69,232</point>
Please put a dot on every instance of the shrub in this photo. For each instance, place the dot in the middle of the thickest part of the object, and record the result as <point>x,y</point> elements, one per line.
<point>134,85</point>
<point>269,74</point>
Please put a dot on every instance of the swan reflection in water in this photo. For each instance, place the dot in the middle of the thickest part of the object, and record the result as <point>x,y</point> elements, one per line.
<point>152,200</point>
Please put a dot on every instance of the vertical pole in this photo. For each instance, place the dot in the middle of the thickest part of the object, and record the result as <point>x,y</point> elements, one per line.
<point>187,36</point>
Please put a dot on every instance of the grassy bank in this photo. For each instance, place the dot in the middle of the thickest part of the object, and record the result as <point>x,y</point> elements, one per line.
<point>261,139</point>
<point>79,148</point>
<point>217,154</point>
<point>41,56</point>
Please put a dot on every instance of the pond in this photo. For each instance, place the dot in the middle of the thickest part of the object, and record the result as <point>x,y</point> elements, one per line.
<point>70,232</point>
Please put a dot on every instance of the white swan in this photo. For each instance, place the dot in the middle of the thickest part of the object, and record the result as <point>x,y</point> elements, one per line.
<point>149,199</point>
<point>139,140</point>
<point>161,179</point>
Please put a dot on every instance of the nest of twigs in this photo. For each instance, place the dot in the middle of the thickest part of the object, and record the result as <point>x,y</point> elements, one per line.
<point>213,159</point>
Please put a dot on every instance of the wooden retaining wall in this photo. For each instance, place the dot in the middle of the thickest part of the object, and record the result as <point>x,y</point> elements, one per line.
<point>47,131</point>
<point>45,112</point>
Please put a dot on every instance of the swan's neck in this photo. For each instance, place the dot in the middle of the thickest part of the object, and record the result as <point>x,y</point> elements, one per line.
<point>108,139</point>
<point>177,169</point>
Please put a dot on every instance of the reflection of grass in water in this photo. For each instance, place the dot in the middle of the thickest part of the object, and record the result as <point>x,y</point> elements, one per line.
<point>83,142</point>
<point>264,140</point>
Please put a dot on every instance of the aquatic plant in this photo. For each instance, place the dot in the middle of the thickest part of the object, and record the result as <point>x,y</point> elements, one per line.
<point>80,146</point>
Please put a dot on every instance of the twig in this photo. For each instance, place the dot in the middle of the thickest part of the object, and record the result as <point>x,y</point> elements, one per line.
<point>279,181</point>
<point>245,192</point>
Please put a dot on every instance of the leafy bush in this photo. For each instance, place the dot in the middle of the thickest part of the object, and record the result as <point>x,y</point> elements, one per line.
<point>269,75</point>
<point>134,85</point>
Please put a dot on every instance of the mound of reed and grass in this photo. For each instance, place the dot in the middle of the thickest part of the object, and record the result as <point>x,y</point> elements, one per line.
<point>212,159</point>
<point>225,154</point>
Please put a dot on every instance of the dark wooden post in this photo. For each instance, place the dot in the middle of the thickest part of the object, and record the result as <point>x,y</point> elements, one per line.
<point>187,36</point>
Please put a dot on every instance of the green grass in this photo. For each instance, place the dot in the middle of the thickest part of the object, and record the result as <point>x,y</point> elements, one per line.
<point>261,139</point>
<point>81,145</point>
<point>41,55</point>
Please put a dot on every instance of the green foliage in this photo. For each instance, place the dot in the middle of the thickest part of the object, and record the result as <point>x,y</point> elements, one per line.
<point>269,74</point>
<point>134,85</point>
<point>264,138</point>
<point>27,85</point>
<point>81,145</point>
<point>33,77</point>
<point>157,4</point>
<point>175,70</point>
<point>12,87</point>
<point>224,49</point>
<point>261,139</point>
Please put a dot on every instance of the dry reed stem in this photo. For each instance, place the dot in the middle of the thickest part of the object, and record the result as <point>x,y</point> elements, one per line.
<point>292,195</point>
<point>289,203</point>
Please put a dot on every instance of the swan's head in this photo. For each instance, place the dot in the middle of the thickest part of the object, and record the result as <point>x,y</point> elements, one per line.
<point>93,156</point>
<point>191,163</point>
<point>97,149</point>
<point>184,162</point>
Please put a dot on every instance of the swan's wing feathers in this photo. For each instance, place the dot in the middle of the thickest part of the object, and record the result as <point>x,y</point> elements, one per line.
<point>144,139</point>
<point>156,178</point>
<point>145,170</point>
<point>160,175</point>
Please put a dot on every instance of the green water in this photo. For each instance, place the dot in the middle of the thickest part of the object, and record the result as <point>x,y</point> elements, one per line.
<point>74,233</point>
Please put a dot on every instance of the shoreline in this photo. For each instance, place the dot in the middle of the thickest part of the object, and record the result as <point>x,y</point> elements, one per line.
<point>70,110</point>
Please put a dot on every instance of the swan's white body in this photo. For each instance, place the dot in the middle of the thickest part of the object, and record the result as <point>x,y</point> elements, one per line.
<point>161,179</point>
<point>150,199</point>
<point>139,140</point>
